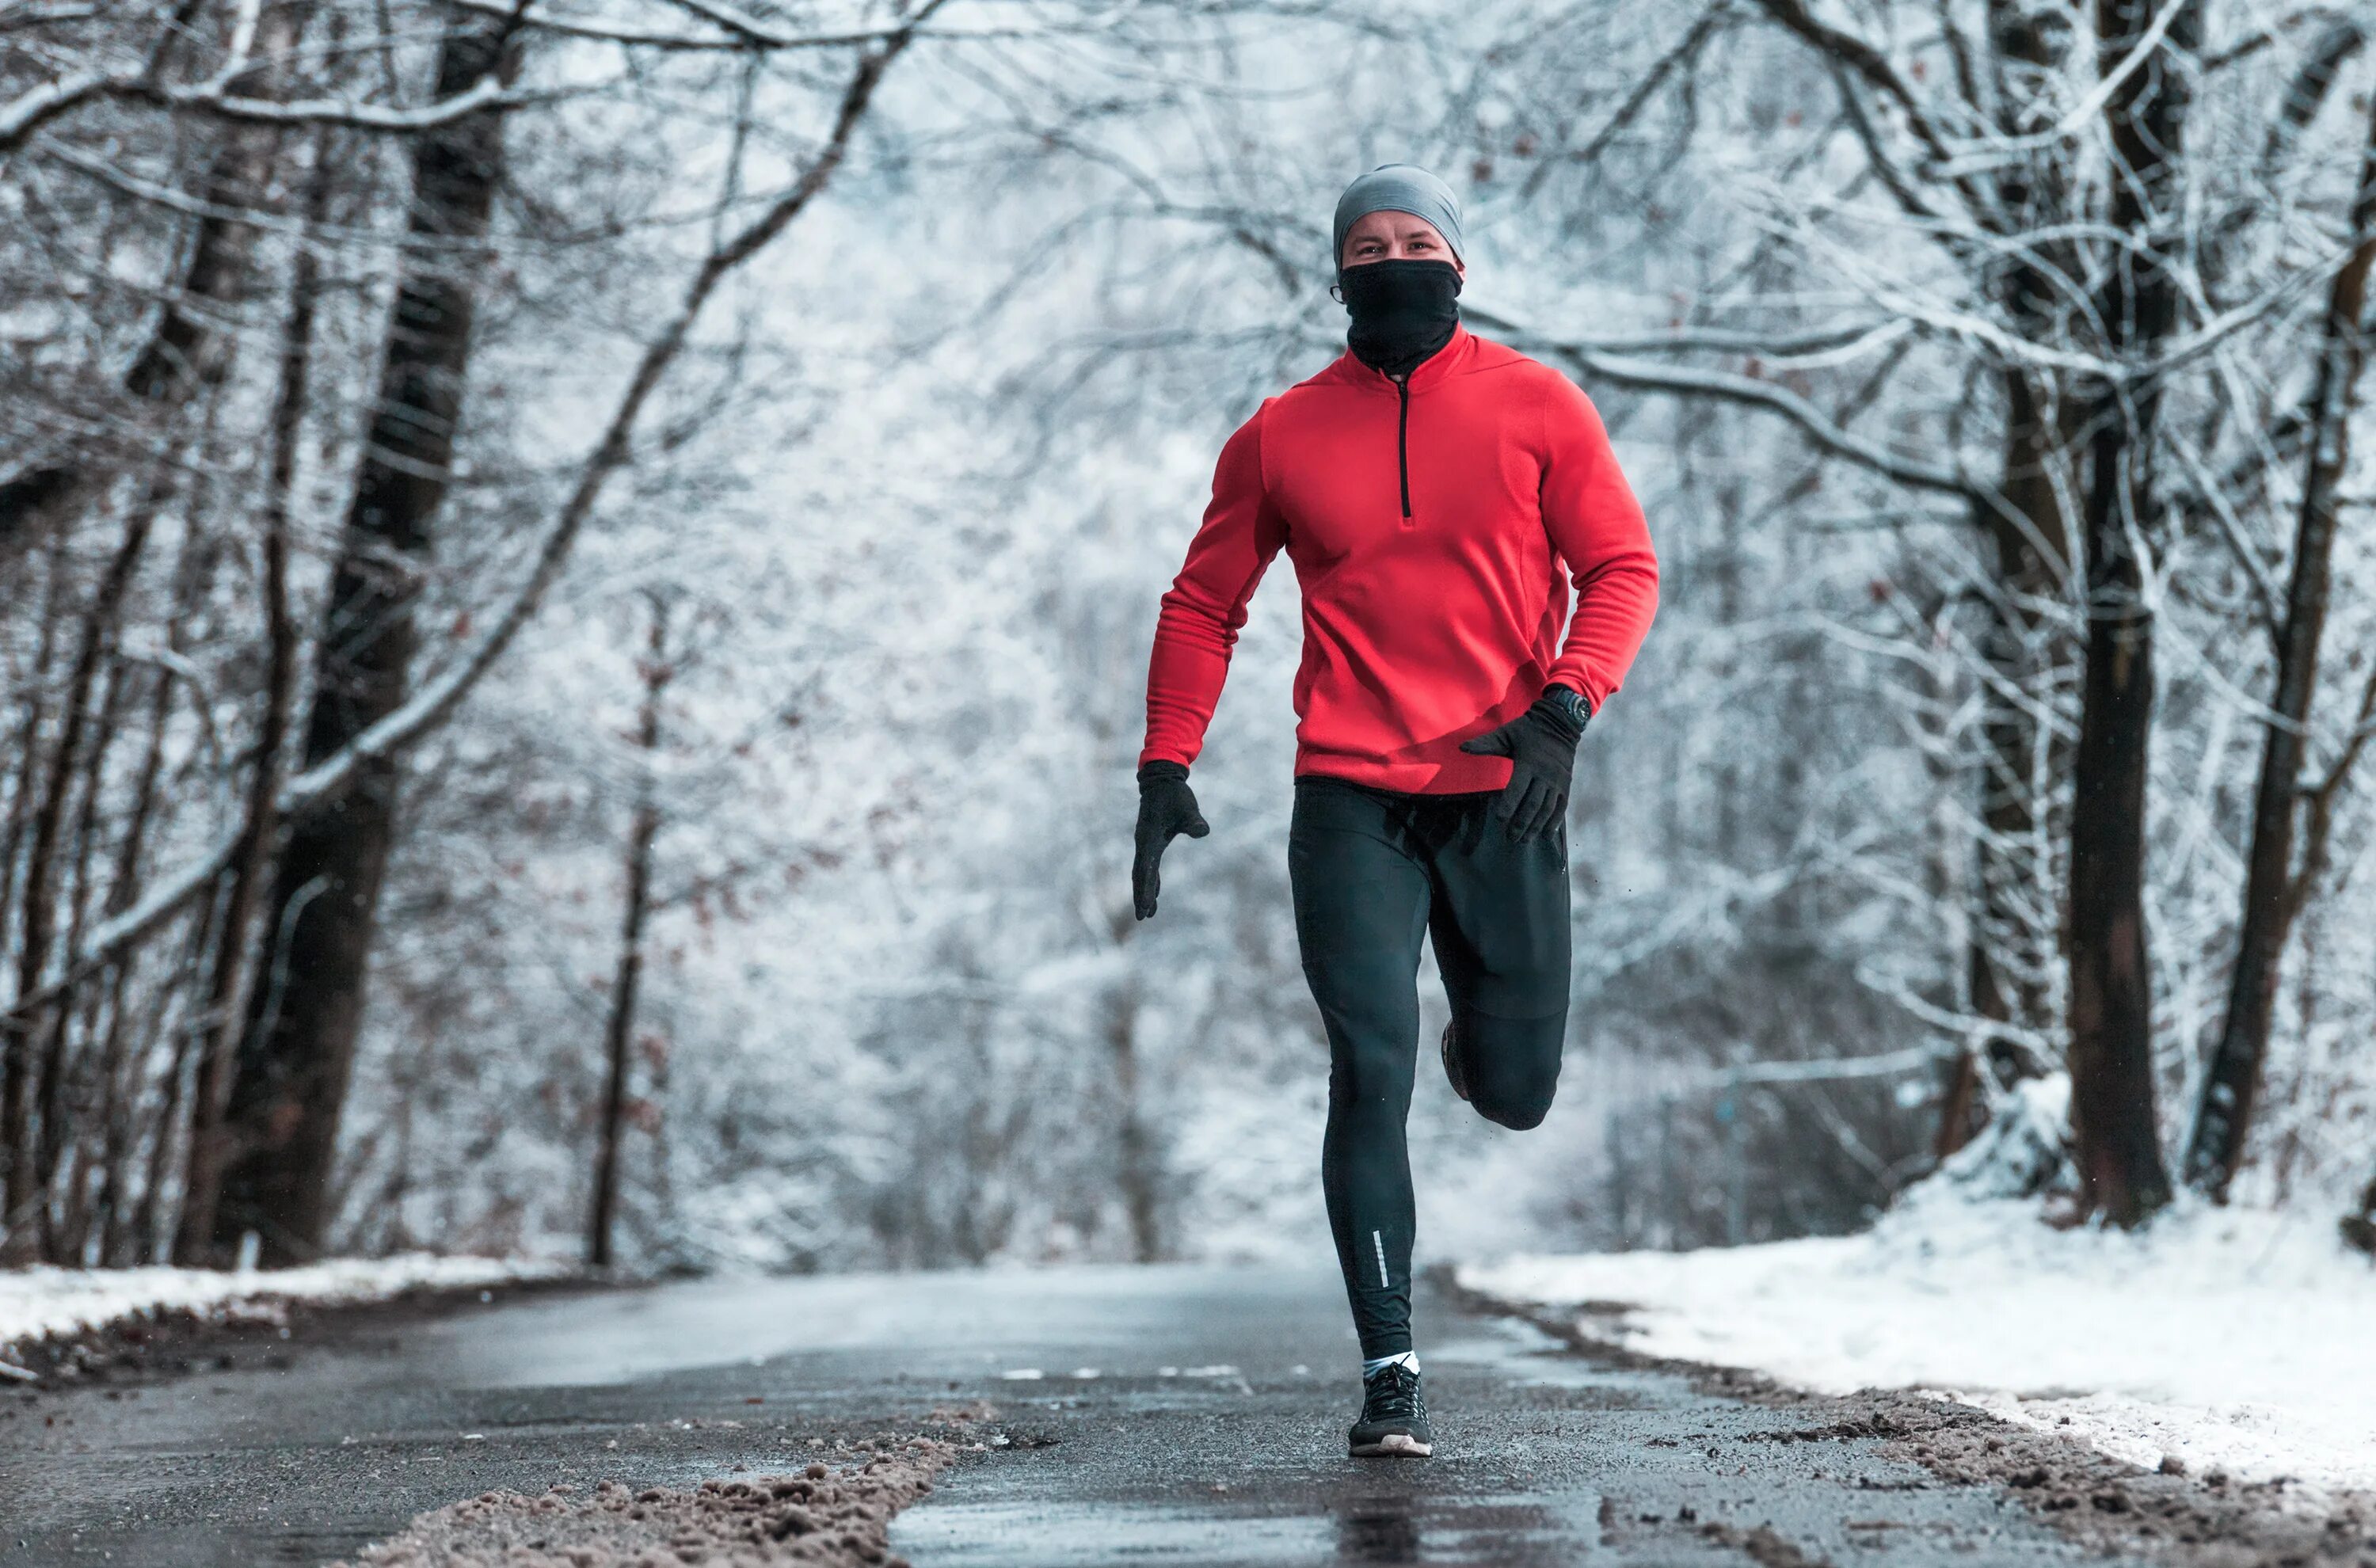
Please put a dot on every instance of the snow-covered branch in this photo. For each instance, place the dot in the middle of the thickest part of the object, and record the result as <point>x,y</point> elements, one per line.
<point>1723,387</point>
<point>738,30</point>
<point>430,706</point>
<point>33,109</point>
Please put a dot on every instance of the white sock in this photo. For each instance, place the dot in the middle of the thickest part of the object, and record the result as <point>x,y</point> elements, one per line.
<point>1370,1368</point>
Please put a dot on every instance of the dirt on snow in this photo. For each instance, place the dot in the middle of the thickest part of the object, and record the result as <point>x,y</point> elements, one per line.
<point>820,1516</point>
<point>2190,1521</point>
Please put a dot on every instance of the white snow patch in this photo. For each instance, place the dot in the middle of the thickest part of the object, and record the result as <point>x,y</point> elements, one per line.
<point>36,1304</point>
<point>2227,1340</point>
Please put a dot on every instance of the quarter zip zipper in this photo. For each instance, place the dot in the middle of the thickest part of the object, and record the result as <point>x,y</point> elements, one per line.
<point>1402,441</point>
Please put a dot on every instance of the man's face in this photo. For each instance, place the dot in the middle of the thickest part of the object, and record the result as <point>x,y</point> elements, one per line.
<point>1397,236</point>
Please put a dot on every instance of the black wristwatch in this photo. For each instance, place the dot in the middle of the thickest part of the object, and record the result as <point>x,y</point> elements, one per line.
<point>1571,702</point>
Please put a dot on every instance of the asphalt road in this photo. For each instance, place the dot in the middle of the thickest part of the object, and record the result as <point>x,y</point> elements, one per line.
<point>1173,1416</point>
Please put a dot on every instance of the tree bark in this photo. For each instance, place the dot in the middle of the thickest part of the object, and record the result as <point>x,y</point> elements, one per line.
<point>2114,1123</point>
<point>2273,887</point>
<point>619,1033</point>
<point>296,1052</point>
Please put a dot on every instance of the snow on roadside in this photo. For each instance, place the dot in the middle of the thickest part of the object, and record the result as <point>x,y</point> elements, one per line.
<point>2223,1339</point>
<point>42,1303</point>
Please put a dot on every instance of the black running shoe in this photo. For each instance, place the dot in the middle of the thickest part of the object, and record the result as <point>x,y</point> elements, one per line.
<point>1394,1418</point>
<point>1452,1069</point>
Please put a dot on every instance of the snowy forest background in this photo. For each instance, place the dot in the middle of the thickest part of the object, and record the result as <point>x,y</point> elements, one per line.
<point>833,390</point>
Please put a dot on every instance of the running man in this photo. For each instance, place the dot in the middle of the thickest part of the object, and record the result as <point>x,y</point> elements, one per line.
<point>1429,486</point>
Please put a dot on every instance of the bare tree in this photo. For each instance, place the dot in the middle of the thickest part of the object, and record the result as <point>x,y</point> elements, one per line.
<point>2275,887</point>
<point>618,1031</point>
<point>2145,60</point>
<point>271,1153</point>
<point>28,1164</point>
<point>294,1061</point>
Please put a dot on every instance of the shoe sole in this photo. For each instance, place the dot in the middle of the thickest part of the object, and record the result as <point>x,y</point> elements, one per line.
<point>1451,1066</point>
<point>1394,1445</point>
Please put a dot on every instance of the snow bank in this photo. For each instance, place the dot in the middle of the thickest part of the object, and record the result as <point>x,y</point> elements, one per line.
<point>38,1304</point>
<point>2224,1339</point>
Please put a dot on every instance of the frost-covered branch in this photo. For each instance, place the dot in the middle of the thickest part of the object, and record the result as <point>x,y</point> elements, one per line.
<point>1860,59</point>
<point>33,109</point>
<point>739,31</point>
<point>1724,386</point>
<point>438,698</point>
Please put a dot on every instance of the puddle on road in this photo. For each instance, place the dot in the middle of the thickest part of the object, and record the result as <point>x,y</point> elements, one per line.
<point>1515,1529</point>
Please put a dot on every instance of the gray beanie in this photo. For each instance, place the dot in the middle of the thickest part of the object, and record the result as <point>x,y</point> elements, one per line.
<point>1398,187</point>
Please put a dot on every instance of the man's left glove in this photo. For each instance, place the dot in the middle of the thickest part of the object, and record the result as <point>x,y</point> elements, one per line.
<point>1540,744</point>
<point>1167,807</point>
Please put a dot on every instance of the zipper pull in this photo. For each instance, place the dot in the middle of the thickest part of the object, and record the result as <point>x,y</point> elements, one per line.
<point>1402,440</point>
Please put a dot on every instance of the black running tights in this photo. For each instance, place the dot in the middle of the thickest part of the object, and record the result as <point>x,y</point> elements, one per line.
<point>1371,870</point>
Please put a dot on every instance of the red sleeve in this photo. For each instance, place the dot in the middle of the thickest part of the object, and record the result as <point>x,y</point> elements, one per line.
<point>1206,604</point>
<point>1597,525</point>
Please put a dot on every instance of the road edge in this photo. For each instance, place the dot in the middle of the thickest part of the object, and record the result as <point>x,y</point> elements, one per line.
<point>156,1345</point>
<point>2103,1503</point>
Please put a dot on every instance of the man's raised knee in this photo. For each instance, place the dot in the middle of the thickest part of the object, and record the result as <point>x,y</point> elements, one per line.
<point>1511,1066</point>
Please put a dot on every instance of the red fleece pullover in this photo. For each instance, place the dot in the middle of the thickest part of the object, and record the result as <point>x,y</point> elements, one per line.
<point>1427,529</point>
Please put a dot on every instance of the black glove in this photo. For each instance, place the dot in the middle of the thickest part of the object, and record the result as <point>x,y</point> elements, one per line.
<point>1167,807</point>
<point>1540,744</point>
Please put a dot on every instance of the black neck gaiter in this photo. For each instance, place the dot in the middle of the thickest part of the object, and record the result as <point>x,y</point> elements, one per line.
<point>1402,311</point>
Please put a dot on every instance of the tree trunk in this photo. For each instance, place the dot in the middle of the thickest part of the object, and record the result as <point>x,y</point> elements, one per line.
<point>65,1080</point>
<point>25,1172</point>
<point>2358,1227</point>
<point>619,1033</point>
<point>1135,1155</point>
<point>117,1225</point>
<point>2029,537</point>
<point>147,1229</point>
<point>296,1052</point>
<point>2008,953</point>
<point>16,1035</point>
<point>119,1104</point>
<point>2272,887</point>
<point>2113,1120</point>
<point>259,819</point>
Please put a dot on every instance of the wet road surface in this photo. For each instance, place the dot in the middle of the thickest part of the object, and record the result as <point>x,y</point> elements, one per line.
<point>1173,1416</point>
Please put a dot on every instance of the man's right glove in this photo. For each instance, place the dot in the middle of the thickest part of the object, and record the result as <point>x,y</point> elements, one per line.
<point>1540,744</point>
<point>1167,807</point>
